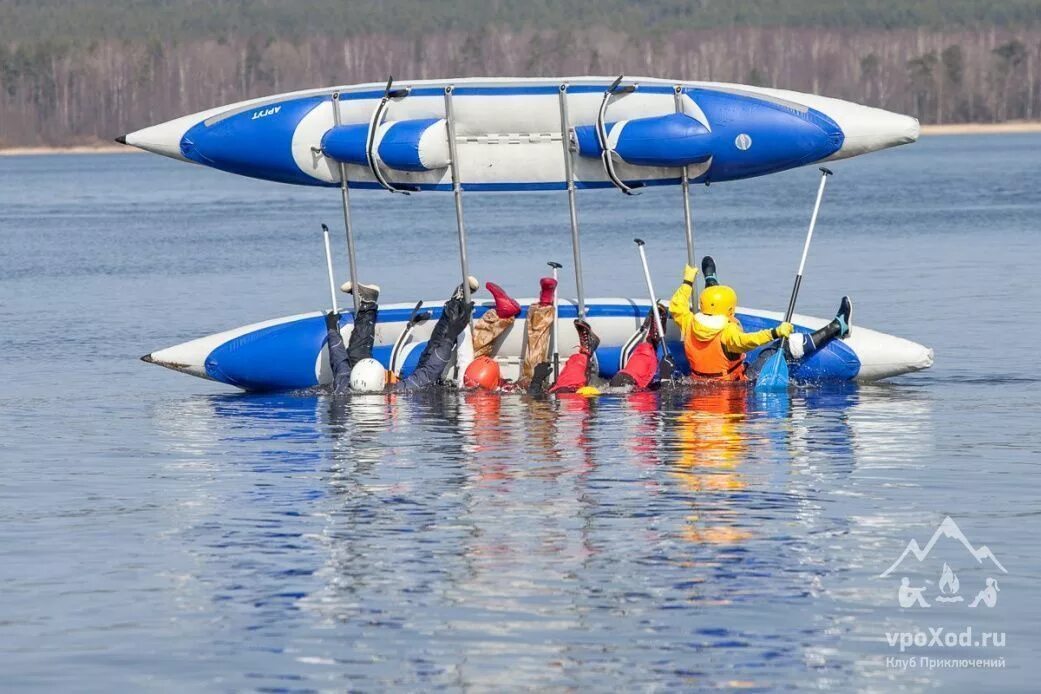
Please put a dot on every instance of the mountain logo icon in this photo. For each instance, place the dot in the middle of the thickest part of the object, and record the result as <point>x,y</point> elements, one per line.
<point>948,528</point>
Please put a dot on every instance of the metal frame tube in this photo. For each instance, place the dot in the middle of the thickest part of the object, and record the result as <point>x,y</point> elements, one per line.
<point>352,261</point>
<point>457,192</point>
<point>825,172</point>
<point>556,322</point>
<point>688,221</point>
<point>576,247</point>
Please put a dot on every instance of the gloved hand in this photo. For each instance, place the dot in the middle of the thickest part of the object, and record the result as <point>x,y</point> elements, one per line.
<point>689,273</point>
<point>783,330</point>
<point>332,320</point>
<point>458,315</point>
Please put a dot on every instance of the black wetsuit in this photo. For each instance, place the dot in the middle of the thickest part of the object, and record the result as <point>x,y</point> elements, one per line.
<point>432,362</point>
<point>440,348</point>
<point>342,359</point>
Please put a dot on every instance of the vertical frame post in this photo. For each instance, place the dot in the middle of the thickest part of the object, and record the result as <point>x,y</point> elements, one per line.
<point>345,197</point>
<point>569,172</point>
<point>457,192</point>
<point>688,221</point>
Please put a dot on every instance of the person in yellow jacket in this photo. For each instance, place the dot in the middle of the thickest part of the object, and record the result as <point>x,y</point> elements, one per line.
<point>714,340</point>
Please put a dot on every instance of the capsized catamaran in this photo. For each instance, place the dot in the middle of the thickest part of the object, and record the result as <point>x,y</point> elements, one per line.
<point>507,134</point>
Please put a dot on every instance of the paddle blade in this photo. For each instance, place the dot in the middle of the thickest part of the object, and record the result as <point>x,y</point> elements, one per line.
<point>774,374</point>
<point>666,368</point>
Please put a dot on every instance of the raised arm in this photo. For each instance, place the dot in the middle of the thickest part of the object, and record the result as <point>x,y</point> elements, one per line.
<point>735,341</point>
<point>679,305</point>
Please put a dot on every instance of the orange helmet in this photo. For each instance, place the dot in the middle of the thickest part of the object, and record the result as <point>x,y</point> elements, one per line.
<point>483,372</point>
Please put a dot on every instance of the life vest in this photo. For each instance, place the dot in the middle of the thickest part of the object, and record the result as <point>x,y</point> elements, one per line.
<point>708,359</point>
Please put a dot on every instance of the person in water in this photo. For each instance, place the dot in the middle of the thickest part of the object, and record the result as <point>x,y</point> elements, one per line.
<point>353,367</point>
<point>484,372</point>
<point>480,370</point>
<point>495,321</point>
<point>714,340</point>
<point>539,328</point>
<point>639,370</point>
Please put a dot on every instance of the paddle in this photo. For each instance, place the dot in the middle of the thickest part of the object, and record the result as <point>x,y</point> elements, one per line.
<point>774,374</point>
<point>666,366</point>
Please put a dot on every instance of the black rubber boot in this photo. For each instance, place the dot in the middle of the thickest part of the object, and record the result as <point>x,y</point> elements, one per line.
<point>845,316</point>
<point>587,344</point>
<point>708,271</point>
<point>840,326</point>
<point>587,339</point>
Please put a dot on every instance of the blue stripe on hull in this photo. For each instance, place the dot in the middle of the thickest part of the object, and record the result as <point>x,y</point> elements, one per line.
<point>254,143</point>
<point>279,357</point>
<point>510,90</point>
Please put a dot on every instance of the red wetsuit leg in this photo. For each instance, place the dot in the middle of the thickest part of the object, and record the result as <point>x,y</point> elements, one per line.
<point>642,364</point>
<point>573,375</point>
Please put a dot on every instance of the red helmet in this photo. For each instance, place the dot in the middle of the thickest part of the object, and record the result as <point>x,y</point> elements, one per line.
<point>483,372</point>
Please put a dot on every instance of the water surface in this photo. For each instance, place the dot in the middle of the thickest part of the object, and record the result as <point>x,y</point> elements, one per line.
<point>162,532</point>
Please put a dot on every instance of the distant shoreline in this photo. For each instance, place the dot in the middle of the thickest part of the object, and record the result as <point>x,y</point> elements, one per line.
<point>79,149</point>
<point>1008,128</point>
<point>982,128</point>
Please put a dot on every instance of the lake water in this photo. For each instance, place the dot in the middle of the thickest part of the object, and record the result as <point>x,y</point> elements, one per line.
<point>159,532</point>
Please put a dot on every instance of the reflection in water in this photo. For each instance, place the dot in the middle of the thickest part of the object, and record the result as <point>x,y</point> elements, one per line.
<point>710,449</point>
<point>491,540</point>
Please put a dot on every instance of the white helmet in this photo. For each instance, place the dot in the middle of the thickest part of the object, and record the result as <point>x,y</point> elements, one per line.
<point>368,376</point>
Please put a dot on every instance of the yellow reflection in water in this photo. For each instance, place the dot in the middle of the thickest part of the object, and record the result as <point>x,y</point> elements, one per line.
<point>710,447</point>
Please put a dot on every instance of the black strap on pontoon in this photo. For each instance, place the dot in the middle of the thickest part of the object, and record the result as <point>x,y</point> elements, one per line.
<point>370,141</point>
<point>606,153</point>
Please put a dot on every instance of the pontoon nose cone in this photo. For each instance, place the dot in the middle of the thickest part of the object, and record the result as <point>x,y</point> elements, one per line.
<point>926,360</point>
<point>868,129</point>
<point>189,358</point>
<point>884,355</point>
<point>164,138</point>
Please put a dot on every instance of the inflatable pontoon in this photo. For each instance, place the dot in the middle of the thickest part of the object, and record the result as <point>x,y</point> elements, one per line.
<point>289,353</point>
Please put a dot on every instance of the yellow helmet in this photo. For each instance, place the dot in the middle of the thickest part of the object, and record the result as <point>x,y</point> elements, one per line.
<point>720,300</point>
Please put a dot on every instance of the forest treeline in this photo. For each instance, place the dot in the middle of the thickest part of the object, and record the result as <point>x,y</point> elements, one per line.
<point>73,73</point>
